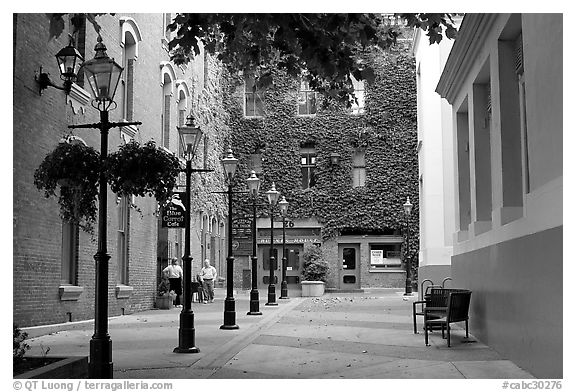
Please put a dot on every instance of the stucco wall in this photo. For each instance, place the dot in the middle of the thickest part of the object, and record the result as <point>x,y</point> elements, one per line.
<point>517,308</point>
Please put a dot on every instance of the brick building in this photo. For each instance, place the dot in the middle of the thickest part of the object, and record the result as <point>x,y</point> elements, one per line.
<point>345,172</point>
<point>53,264</point>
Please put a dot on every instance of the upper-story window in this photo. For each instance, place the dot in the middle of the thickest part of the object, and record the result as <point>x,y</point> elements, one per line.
<point>358,105</point>
<point>306,99</point>
<point>166,37</point>
<point>358,168</point>
<point>308,164</point>
<point>253,97</point>
<point>70,234</point>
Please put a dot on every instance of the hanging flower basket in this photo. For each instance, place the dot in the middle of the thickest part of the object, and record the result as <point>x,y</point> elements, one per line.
<point>75,169</point>
<point>143,170</point>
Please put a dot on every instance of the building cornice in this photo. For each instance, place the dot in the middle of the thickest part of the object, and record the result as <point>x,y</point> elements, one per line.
<point>471,37</point>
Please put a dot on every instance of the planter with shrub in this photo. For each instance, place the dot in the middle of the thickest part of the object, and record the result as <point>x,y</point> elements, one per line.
<point>314,272</point>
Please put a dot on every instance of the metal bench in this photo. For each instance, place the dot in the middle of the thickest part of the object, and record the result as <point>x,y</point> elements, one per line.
<point>456,310</point>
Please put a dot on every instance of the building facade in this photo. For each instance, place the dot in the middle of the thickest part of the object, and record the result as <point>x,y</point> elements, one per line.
<point>53,265</point>
<point>435,163</point>
<point>345,172</point>
<point>503,81</point>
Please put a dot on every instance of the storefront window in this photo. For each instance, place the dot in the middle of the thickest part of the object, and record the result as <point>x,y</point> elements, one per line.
<point>385,256</point>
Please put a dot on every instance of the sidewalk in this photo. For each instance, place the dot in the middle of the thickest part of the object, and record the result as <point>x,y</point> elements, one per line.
<point>341,335</point>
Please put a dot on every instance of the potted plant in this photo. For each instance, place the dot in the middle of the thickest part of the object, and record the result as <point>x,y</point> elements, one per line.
<point>74,167</point>
<point>165,297</point>
<point>143,170</point>
<point>314,271</point>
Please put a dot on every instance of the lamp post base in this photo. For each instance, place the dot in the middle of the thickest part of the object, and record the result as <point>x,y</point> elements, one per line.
<point>100,365</point>
<point>284,290</point>
<point>254,304</point>
<point>229,314</point>
<point>186,334</point>
<point>408,290</point>
<point>229,327</point>
<point>271,295</point>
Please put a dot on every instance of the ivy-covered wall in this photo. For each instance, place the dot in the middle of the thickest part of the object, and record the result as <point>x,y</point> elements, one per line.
<point>387,131</point>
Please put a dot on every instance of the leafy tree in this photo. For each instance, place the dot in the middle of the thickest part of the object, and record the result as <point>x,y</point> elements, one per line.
<point>324,48</point>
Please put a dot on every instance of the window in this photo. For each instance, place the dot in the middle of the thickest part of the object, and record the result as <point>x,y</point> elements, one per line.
<point>349,259</point>
<point>70,234</point>
<point>358,169</point>
<point>385,256</point>
<point>308,164</point>
<point>306,100</point>
<point>123,229</point>
<point>358,105</point>
<point>293,260</point>
<point>254,106</point>
<point>522,103</point>
<point>79,36</point>
<point>256,162</point>
<point>166,122</point>
<point>166,21</point>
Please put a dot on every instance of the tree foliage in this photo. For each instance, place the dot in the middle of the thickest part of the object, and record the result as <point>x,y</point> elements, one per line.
<point>324,49</point>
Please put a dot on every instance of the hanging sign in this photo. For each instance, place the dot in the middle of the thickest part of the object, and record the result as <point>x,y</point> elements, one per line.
<point>173,214</point>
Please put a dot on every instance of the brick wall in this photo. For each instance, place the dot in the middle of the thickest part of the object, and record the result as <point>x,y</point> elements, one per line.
<point>39,123</point>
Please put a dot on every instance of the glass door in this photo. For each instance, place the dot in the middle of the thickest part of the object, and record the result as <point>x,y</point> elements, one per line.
<point>349,266</point>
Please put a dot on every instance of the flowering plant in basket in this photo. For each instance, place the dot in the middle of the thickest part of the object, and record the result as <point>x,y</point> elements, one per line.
<point>75,168</point>
<point>142,170</point>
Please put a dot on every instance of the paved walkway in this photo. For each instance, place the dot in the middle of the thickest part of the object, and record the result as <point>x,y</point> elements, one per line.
<point>360,335</point>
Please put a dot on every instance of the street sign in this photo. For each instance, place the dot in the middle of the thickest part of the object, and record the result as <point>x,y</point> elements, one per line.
<point>242,235</point>
<point>173,214</point>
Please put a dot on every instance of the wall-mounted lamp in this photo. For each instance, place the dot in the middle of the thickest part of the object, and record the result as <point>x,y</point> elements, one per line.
<point>69,62</point>
<point>334,158</point>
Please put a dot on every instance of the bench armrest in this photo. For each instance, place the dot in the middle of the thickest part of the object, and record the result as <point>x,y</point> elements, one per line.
<point>435,309</point>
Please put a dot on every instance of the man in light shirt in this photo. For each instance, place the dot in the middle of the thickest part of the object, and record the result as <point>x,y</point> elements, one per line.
<point>175,273</point>
<point>208,275</point>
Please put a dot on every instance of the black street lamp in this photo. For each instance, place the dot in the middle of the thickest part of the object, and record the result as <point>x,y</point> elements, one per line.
<point>229,164</point>
<point>69,63</point>
<point>272,195</point>
<point>190,136</point>
<point>253,188</point>
<point>283,204</point>
<point>407,261</point>
<point>103,75</point>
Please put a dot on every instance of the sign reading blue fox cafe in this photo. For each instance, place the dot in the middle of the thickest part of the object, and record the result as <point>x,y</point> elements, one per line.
<point>173,214</point>
<point>242,236</point>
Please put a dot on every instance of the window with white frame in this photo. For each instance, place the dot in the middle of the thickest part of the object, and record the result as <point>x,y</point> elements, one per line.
<point>308,164</point>
<point>307,99</point>
<point>69,266</point>
<point>253,99</point>
<point>123,232</point>
<point>358,168</point>
<point>358,104</point>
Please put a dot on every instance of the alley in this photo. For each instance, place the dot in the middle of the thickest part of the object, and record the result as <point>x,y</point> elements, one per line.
<point>340,335</point>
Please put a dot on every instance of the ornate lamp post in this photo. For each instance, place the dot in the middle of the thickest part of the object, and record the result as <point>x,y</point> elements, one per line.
<point>272,195</point>
<point>190,136</point>
<point>229,164</point>
<point>103,75</point>
<point>253,187</point>
<point>407,261</point>
<point>283,204</point>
